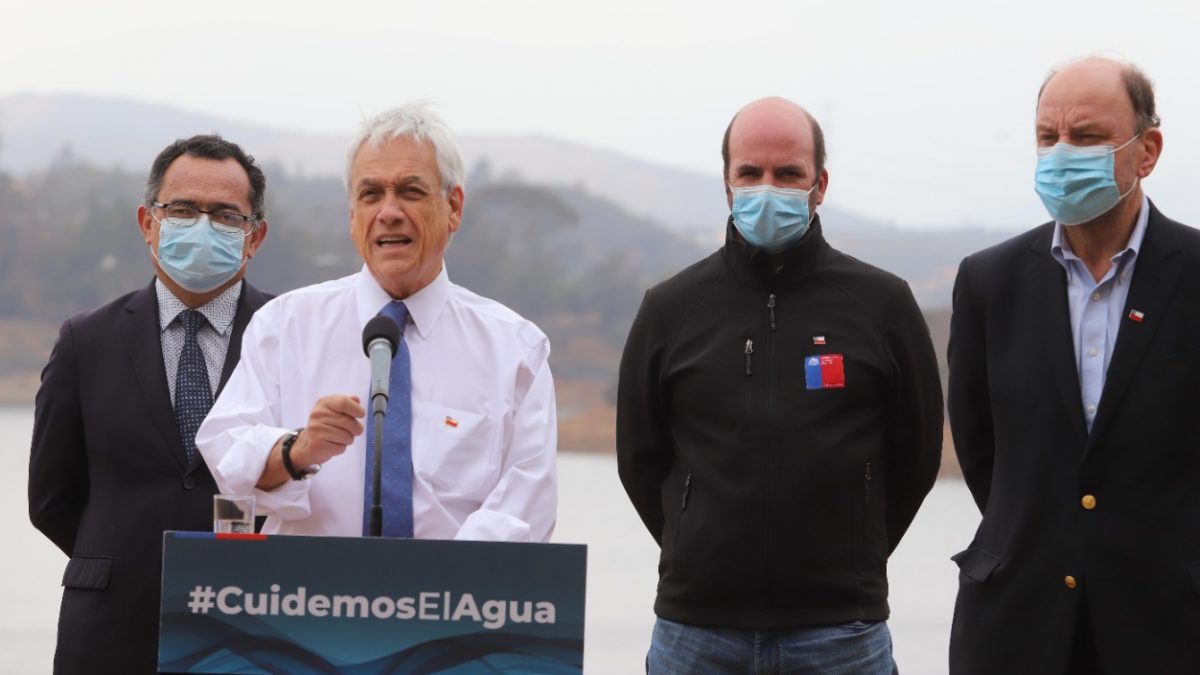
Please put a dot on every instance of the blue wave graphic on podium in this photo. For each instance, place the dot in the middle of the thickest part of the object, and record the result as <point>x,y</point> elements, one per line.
<point>211,646</point>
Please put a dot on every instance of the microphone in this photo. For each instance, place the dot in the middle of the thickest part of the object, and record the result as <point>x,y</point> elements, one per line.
<point>380,338</point>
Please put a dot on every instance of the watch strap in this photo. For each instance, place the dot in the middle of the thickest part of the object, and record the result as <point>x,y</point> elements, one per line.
<point>286,455</point>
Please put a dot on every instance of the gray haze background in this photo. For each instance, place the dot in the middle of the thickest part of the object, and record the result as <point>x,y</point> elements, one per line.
<point>928,104</point>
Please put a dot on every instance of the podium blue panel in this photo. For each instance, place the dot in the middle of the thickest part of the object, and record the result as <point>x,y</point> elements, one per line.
<point>283,604</point>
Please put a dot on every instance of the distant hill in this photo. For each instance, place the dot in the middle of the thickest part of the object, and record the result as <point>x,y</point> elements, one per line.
<point>38,131</point>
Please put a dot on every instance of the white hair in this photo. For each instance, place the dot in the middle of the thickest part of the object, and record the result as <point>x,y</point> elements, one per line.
<point>415,120</point>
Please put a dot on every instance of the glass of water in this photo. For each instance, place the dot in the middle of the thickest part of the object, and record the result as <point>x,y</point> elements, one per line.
<point>233,514</point>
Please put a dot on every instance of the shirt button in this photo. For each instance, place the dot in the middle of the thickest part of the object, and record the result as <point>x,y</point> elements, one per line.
<point>1070,581</point>
<point>189,483</point>
<point>1091,410</point>
<point>1088,502</point>
<point>1093,351</point>
<point>1096,295</point>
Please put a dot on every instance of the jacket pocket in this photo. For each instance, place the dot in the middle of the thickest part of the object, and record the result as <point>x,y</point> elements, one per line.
<point>744,425</point>
<point>683,505</point>
<point>976,563</point>
<point>865,553</point>
<point>681,519</point>
<point>88,572</point>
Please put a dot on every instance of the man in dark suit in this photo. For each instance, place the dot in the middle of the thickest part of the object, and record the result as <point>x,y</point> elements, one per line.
<point>1074,379</point>
<point>114,462</point>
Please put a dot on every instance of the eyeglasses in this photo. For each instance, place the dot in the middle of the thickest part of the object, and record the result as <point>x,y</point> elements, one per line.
<point>227,222</point>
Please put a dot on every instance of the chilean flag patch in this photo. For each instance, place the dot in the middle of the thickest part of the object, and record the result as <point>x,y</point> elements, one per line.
<point>824,371</point>
<point>1136,316</point>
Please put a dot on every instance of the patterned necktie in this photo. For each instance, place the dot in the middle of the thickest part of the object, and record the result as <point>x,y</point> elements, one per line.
<point>193,395</point>
<point>397,478</point>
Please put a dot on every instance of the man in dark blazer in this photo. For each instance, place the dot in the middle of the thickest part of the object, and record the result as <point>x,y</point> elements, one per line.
<point>113,462</point>
<point>1074,390</point>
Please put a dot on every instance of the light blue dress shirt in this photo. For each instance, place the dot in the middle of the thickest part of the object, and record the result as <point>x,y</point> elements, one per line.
<point>1097,308</point>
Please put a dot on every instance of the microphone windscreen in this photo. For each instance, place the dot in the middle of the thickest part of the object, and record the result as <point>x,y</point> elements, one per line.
<point>380,327</point>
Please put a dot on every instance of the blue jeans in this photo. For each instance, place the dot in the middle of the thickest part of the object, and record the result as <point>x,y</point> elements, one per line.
<point>856,648</point>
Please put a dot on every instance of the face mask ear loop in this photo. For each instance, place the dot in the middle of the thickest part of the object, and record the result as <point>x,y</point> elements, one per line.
<point>153,252</point>
<point>1122,146</point>
<point>1130,190</point>
<point>1136,179</point>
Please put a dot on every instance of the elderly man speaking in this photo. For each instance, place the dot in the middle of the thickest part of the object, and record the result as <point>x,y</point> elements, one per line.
<point>470,438</point>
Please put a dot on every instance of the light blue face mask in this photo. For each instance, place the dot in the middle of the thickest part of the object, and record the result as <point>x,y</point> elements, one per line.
<point>1078,184</point>
<point>198,258</point>
<point>770,217</point>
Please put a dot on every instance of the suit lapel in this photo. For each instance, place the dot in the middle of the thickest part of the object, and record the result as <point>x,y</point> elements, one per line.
<point>1154,280</point>
<point>1048,286</point>
<point>141,336</point>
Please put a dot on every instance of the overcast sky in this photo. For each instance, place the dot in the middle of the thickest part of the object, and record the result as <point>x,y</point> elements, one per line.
<point>928,106</point>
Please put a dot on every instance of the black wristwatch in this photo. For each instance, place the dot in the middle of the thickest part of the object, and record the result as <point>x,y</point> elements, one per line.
<point>286,454</point>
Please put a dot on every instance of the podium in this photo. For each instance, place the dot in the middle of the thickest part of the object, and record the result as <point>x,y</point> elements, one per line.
<point>251,603</point>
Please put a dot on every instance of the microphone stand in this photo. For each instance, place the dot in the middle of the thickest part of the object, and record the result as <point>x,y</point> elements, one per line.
<point>380,337</point>
<point>377,498</point>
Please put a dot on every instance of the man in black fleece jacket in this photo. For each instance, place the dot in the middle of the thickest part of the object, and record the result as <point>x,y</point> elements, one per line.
<point>779,421</point>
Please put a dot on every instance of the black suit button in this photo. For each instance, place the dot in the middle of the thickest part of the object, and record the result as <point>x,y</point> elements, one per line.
<point>189,483</point>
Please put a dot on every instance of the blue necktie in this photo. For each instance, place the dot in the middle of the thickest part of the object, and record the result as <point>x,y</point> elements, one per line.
<point>397,478</point>
<point>193,395</point>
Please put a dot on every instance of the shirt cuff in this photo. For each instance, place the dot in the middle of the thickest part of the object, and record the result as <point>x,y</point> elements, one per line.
<point>241,467</point>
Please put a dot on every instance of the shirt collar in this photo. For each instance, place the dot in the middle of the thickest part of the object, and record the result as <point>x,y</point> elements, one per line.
<point>1060,248</point>
<point>220,311</point>
<point>424,306</point>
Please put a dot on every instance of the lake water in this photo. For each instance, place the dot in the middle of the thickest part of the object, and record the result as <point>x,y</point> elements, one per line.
<point>593,509</point>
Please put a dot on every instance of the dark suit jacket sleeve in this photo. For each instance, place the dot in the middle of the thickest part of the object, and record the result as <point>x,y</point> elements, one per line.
<point>58,472</point>
<point>644,453</point>
<point>915,417</point>
<point>970,404</point>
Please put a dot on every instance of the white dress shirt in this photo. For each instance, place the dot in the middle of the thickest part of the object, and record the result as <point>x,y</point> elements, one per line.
<point>484,432</point>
